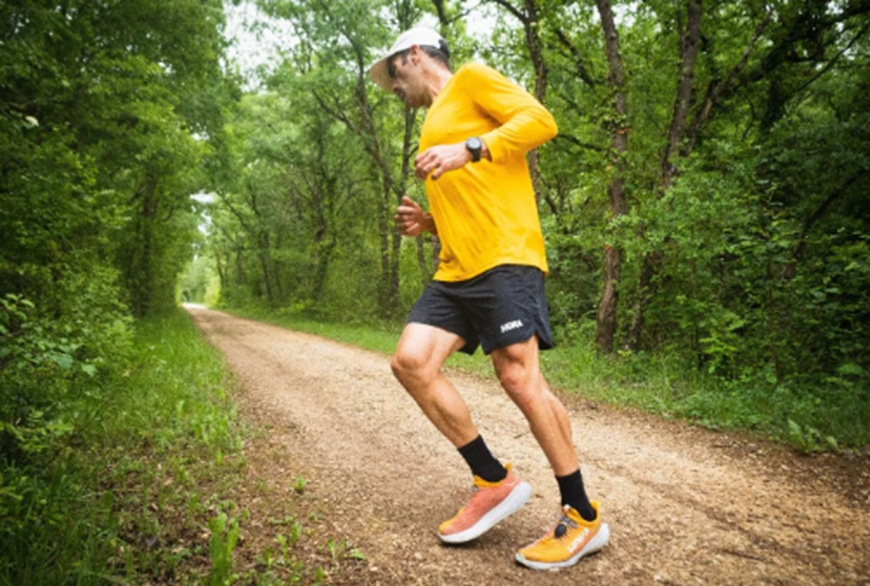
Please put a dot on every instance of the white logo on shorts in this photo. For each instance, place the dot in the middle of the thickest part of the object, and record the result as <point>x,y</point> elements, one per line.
<point>511,325</point>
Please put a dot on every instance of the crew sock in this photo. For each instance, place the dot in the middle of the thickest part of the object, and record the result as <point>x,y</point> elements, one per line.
<point>574,494</point>
<point>481,461</point>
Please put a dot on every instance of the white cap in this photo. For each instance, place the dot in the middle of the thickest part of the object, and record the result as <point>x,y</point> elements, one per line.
<point>420,36</point>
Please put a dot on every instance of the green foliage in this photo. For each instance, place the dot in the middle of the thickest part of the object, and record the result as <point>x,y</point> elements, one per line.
<point>223,540</point>
<point>285,226</point>
<point>117,483</point>
<point>195,282</point>
<point>47,368</point>
<point>306,215</point>
<point>98,106</point>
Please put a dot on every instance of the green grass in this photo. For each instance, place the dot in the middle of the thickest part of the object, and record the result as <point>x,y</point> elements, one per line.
<point>814,419</point>
<point>125,495</point>
<point>134,482</point>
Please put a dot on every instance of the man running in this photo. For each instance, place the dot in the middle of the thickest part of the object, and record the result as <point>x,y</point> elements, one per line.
<point>488,289</point>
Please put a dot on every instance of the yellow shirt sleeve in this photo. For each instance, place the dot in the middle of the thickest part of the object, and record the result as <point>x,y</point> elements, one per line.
<point>486,213</point>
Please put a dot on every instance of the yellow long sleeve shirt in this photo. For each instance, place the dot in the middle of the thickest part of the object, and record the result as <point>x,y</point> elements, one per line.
<point>485,212</point>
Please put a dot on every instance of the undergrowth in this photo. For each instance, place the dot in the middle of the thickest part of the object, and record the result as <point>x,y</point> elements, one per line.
<point>125,494</point>
<point>137,487</point>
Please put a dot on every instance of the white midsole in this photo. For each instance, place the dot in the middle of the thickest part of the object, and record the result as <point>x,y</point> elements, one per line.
<point>510,505</point>
<point>600,540</point>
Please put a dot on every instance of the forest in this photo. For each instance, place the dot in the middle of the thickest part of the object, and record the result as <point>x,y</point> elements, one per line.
<point>704,204</point>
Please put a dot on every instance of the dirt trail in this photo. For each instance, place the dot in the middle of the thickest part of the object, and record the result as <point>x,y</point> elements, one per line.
<point>685,506</point>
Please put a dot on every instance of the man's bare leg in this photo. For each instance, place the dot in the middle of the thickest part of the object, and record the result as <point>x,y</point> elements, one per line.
<point>417,363</point>
<point>518,370</point>
<point>420,354</point>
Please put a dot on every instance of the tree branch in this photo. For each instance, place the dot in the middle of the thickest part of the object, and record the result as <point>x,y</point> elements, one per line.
<point>579,65</point>
<point>817,215</point>
<point>689,55</point>
<point>716,90</point>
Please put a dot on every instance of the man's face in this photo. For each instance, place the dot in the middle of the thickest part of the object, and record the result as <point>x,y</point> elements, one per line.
<point>407,79</point>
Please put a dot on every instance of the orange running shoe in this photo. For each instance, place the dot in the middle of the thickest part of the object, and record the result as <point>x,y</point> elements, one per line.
<point>566,542</point>
<point>491,503</point>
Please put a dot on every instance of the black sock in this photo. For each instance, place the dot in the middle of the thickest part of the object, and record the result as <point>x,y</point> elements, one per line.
<point>481,461</point>
<point>573,493</point>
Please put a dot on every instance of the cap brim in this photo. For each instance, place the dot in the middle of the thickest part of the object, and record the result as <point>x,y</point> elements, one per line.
<point>420,36</point>
<point>379,73</point>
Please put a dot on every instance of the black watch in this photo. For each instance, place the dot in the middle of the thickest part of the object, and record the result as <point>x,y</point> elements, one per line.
<point>474,146</point>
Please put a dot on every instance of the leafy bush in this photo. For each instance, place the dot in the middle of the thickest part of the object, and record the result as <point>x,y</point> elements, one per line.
<point>122,466</point>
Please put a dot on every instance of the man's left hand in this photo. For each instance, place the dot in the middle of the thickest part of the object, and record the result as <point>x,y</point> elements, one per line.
<point>437,160</point>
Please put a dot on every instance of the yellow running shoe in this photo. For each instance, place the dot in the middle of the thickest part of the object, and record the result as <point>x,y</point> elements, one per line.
<point>491,503</point>
<point>566,542</point>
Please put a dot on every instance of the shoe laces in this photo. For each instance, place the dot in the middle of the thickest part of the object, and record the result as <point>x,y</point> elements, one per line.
<point>475,490</point>
<point>564,523</point>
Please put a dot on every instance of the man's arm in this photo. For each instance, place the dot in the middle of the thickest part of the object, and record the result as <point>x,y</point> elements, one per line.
<point>524,123</point>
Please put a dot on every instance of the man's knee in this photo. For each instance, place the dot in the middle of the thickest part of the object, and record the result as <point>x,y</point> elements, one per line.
<point>405,364</point>
<point>519,382</point>
<point>513,376</point>
<point>421,352</point>
<point>399,365</point>
<point>515,365</point>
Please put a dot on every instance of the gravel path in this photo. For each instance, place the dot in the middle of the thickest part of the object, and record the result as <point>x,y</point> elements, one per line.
<point>685,505</point>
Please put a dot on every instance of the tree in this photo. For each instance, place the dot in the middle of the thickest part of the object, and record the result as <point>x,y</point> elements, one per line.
<point>106,111</point>
<point>329,64</point>
<point>706,151</point>
<point>99,104</point>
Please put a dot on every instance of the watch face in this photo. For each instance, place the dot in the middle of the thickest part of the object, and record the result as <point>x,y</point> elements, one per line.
<point>474,145</point>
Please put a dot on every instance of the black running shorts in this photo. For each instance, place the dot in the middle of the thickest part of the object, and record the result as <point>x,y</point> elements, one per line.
<point>497,308</point>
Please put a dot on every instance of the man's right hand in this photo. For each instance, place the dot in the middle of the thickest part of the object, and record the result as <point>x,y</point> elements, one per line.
<point>411,220</point>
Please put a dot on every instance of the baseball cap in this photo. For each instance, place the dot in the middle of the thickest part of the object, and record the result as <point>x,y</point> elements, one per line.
<point>420,36</point>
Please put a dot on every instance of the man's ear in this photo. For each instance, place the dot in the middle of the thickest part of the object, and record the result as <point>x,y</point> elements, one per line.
<point>414,53</point>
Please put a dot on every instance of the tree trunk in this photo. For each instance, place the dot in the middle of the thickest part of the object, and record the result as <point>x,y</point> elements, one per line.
<point>384,291</point>
<point>606,317</point>
<point>140,266</point>
<point>606,322</point>
<point>264,255</point>
<point>536,54</point>
<point>689,44</point>
<point>689,55</point>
